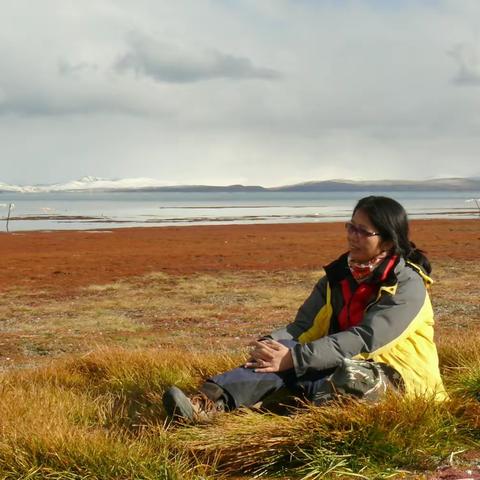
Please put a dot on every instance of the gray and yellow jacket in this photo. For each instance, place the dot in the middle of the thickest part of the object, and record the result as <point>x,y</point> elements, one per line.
<point>396,327</point>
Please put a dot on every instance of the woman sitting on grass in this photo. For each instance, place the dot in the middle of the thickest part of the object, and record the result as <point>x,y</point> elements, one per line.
<point>366,326</point>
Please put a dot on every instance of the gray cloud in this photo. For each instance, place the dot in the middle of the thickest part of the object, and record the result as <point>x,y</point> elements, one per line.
<point>467,58</point>
<point>42,106</point>
<point>167,63</point>
<point>67,68</point>
<point>62,102</point>
<point>66,88</point>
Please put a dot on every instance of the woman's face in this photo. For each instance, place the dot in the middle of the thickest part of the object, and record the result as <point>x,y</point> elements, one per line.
<point>364,247</point>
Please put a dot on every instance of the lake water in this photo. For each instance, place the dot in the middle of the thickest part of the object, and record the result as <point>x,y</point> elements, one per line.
<point>63,211</point>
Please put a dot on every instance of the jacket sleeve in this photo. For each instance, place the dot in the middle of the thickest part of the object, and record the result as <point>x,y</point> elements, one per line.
<point>381,328</point>
<point>305,318</point>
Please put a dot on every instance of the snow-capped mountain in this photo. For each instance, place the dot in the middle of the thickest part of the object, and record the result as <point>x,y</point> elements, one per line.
<point>87,183</point>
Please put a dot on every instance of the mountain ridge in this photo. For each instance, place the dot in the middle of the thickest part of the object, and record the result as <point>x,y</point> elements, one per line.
<point>92,184</point>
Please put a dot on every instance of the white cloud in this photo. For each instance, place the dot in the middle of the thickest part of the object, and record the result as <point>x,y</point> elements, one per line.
<point>268,92</point>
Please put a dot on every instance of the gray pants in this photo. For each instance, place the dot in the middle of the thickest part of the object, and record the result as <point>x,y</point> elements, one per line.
<point>358,378</point>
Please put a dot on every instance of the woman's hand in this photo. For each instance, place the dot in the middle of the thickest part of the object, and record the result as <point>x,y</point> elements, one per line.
<point>269,356</point>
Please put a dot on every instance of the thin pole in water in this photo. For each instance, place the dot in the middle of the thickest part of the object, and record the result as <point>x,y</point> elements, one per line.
<point>476,200</point>
<point>10,207</point>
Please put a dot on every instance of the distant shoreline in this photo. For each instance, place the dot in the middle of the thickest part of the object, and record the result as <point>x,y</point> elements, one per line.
<point>98,223</point>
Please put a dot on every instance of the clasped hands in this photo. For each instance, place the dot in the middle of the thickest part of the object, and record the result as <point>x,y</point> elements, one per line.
<point>268,356</point>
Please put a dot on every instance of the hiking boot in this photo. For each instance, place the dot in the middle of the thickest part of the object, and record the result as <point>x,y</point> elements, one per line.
<point>191,409</point>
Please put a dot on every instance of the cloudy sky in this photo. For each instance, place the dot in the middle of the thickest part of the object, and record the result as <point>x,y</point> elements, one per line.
<point>239,91</point>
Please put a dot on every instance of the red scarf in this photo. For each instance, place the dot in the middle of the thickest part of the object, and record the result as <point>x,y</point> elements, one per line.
<point>361,271</point>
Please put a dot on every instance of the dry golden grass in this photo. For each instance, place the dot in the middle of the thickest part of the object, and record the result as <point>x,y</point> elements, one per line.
<point>94,411</point>
<point>100,416</point>
<point>93,416</point>
<point>349,438</point>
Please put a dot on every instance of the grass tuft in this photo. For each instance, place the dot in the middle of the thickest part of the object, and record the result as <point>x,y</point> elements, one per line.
<point>100,416</point>
<point>349,438</point>
<point>93,416</point>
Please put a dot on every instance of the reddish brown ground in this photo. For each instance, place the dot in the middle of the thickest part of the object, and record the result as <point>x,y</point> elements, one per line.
<point>60,262</point>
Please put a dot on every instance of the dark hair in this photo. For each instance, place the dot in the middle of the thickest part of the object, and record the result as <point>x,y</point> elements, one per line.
<point>390,220</point>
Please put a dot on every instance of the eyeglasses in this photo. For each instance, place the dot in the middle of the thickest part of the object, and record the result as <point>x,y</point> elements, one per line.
<point>361,232</point>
